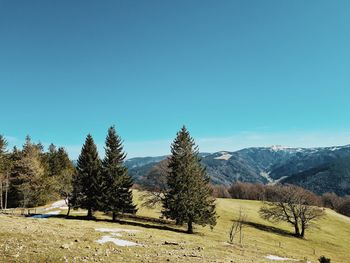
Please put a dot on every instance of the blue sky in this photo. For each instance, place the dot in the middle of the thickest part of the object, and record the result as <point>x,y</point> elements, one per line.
<point>236,73</point>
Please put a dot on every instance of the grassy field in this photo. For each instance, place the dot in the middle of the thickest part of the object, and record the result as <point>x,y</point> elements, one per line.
<point>74,240</point>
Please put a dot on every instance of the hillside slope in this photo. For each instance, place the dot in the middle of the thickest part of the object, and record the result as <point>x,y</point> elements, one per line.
<point>330,177</point>
<point>62,240</point>
<point>306,159</point>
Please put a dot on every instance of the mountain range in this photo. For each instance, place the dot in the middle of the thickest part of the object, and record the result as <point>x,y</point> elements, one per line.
<point>323,169</point>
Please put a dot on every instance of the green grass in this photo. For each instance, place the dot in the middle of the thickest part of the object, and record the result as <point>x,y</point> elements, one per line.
<point>37,240</point>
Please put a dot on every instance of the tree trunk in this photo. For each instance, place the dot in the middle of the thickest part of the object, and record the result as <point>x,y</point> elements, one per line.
<point>89,215</point>
<point>1,198</point>
<point>24,200</point>
<point>114,216</point>
<point>189,227</point>
<point>302,234</point>
<point>6,190</point>
<point>296,229</point>
<point>240,234</point>
<point>68,211</point>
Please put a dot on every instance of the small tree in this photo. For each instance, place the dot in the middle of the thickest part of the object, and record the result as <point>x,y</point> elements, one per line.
<point>344,206</point>
<point>331,200</point>
<point>323,259</point>
<point>155,184</point>
<point>237,227</point>
<point>188,197</point>
<point>65,175</point>
<point>59,170</point>
<point>293,205</point>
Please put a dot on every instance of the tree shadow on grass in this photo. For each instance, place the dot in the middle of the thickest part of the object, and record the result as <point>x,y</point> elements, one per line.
<point>270,229</point>
<point>137,221</point>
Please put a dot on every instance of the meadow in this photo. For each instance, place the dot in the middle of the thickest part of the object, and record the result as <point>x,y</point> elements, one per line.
<point>57,239</point>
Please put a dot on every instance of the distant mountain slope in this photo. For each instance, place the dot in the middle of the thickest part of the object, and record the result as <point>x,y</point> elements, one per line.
<point>263,165</point>
<point>141,166</point>
<point>226,167</point>
<point>142,161</point>
<point>330,177</point>
<point>263,158</point>
<point>247,165</point>
<point>305,159</point>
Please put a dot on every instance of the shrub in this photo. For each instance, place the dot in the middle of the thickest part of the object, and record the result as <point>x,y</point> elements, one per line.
<point>323,259</point>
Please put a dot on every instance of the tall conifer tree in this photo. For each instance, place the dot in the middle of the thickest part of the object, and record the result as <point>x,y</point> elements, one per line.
<point>117,194</point>
<point>3,174</point>
<point>86,184</point>
<point>188,197</point>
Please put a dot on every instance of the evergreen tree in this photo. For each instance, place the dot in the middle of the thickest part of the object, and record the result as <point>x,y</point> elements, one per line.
<point>59,170</point>
<point>66,172</point>
<point>28,175</point>
<point>32,177</point>
<point>51,161</point>
<point>188,197</point>
<point>117,194</point>
<point>86,184</point>
<point>3,145</point>
<point>4,182</point>
<point>14,195</point>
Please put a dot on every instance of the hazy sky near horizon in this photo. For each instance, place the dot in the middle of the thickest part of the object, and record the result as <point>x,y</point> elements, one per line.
<point>236,73</point>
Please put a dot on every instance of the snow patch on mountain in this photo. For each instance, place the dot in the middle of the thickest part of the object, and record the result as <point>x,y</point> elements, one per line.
<point>277,148</point>
<point>224,156</point>
<point>267,177</point>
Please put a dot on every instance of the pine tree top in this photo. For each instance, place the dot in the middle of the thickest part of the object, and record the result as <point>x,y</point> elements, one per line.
<point>184,146</point>
<point>88,153</point>
<point>3,144</point>
<point>114,148</point>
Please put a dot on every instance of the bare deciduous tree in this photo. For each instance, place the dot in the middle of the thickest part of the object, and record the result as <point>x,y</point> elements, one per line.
<point>237,227</point>
<point>155,184</point>
<point>220,191</point>
<point>293,205</point>
<point>331,200</point>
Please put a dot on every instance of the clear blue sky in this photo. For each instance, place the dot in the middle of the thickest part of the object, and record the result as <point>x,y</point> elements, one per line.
<point>237,73</point>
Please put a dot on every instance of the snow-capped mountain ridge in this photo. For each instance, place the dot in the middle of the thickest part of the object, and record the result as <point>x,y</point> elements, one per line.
<point>255,164</point>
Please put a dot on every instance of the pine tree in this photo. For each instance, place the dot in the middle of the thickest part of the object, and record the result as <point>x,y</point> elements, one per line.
<point>86,184</point>
<point>14,195</point>
<point>188,197</point>
<point>3,173</point>
<point>117,194</point>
